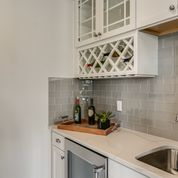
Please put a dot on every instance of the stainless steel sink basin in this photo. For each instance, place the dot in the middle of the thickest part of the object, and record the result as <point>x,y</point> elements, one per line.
<point>164,158</point>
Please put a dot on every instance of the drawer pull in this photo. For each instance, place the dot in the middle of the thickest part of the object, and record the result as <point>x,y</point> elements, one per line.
<point>58,140</point>
<point>99,33</point>
<point>95,35</point>
<point>62,157</point>
<point>97,170</point>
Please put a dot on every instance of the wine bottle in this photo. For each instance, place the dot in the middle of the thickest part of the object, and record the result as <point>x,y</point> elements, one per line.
<point>77,111</point>
<point>91,113</point>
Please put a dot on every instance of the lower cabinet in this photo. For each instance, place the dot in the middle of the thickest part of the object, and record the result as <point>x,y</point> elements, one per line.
<point>58,163</point>
<point>57,156</point>
<point>116,170</point>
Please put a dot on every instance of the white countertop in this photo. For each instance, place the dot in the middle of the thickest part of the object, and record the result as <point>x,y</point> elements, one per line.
<point>123,146</point>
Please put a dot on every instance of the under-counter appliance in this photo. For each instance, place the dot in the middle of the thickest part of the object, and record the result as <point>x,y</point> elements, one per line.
<point>82,162</point>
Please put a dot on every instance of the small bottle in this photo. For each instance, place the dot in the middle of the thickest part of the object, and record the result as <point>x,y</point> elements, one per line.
<point>77,111</point>
<point>91,113</point>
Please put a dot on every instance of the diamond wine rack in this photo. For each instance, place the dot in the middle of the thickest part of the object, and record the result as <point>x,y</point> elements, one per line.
<point>107,60</point>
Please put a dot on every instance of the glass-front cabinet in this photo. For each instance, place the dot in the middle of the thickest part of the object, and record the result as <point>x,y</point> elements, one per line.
<point>100,19</point>
<point>116,14</point>
<point>86,19</point>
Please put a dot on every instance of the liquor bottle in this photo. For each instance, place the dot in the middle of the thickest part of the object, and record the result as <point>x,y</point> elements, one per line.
<point>77,111</point>
<point>91,113</point>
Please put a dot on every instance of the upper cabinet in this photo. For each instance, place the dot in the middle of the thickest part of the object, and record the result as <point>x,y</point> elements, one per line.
<point>132,54</point>
<point>86,21</point>
<point>100,19</point>
<point>150,12</point>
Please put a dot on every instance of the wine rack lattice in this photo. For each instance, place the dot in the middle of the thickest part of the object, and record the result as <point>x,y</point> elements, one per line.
<point>114,58</point>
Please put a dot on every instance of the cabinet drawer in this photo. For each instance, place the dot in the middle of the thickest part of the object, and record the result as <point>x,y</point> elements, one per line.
<point>58,140</point>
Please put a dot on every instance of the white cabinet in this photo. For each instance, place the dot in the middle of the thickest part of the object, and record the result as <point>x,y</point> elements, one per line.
<point>58,141</point>
<point>132,54</point>
<point>57,156</point>
<point>99,19</point>
<point>151,11</point>
<point>57,163</point>
<point>116,170</point>
<point>86,19</point>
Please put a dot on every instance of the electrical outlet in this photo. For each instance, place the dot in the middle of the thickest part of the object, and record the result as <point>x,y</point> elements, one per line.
<point>119,105</point>
<point>176,118</point>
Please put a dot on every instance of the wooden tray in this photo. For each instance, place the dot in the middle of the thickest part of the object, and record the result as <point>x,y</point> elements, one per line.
<point>84,127</point>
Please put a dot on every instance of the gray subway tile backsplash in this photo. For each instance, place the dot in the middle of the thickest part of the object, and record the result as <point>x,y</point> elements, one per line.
<point>62,92</point>
<point>150,105</point>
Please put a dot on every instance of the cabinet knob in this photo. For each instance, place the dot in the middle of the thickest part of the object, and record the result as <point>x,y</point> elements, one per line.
<point>62,157</point>
<point>172,7</point>
<point>99,33</point>
<point>58,140</point>
<point>95,34</point>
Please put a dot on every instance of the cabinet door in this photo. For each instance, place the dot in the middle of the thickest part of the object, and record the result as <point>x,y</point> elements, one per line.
<point>151,11</point>
<point>116,170</point>
<point>57,163</point>
<point>100,19</point>
<point>86,19</point>
<point>118,15</point>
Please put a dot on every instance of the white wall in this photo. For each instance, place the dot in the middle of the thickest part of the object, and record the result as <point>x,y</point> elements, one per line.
<point>29,53</point>
<point>62,38</point>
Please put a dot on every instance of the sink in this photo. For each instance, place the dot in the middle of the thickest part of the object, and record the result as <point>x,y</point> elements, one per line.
<point>164,158</point>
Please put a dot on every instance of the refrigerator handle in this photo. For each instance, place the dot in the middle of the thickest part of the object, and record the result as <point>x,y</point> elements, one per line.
<point>97,170</point>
